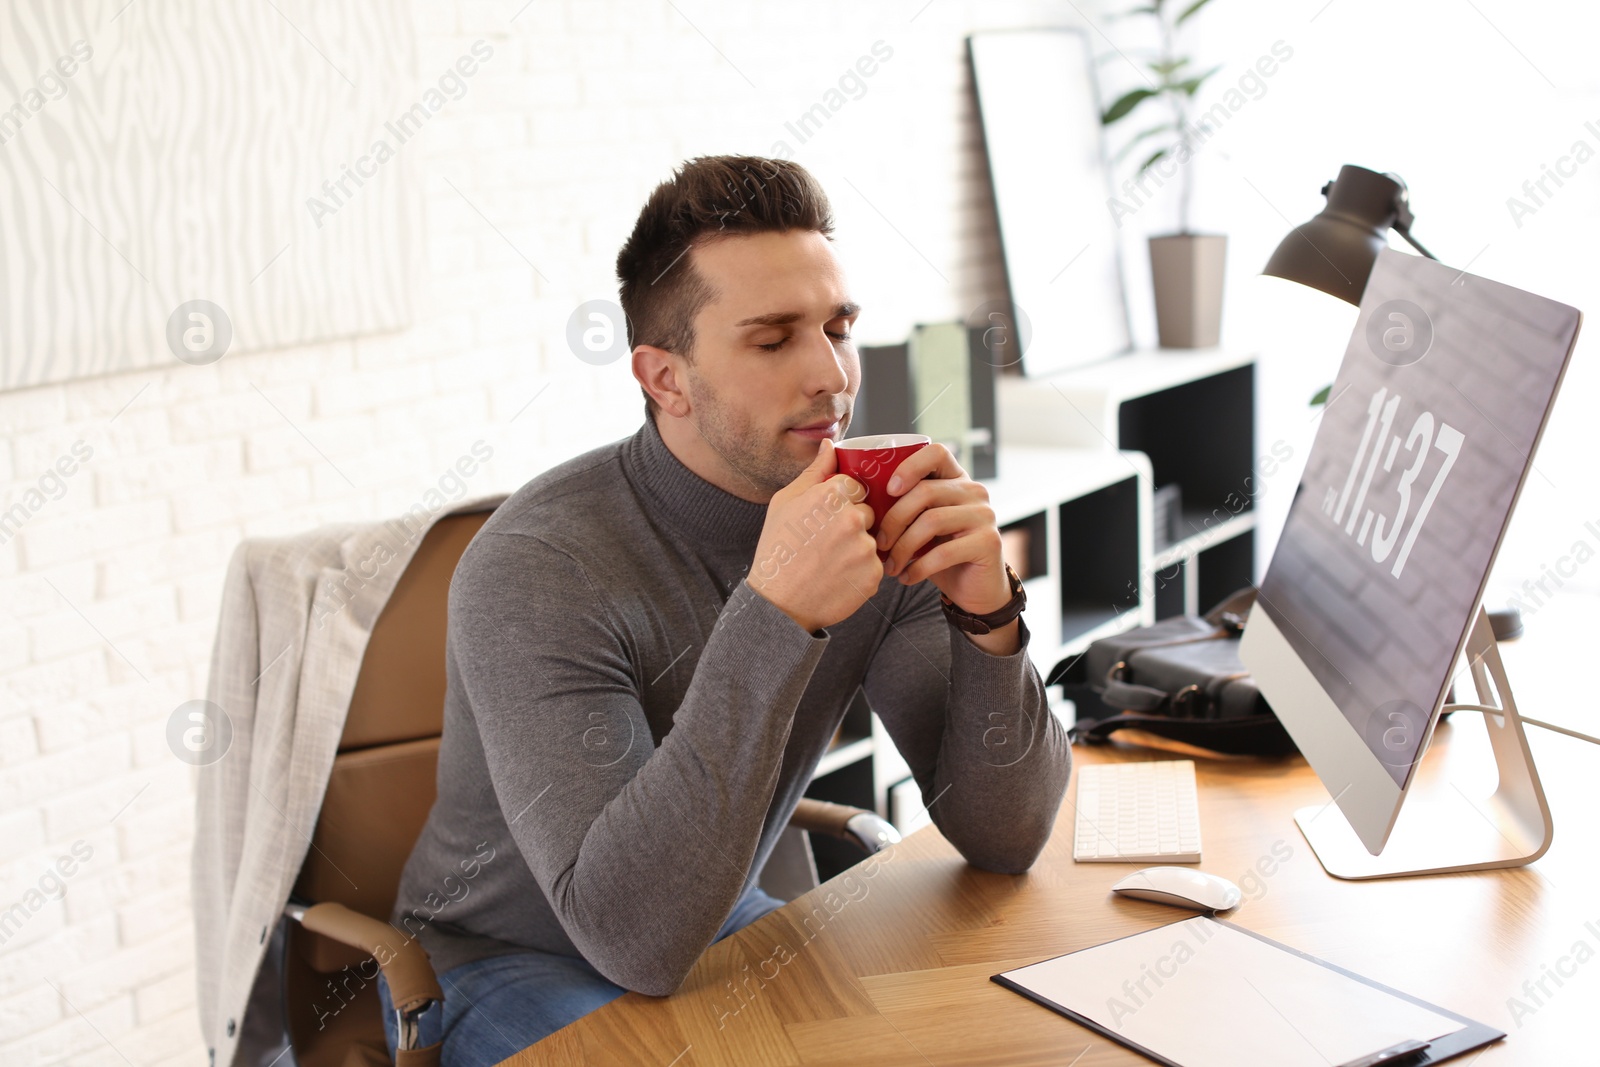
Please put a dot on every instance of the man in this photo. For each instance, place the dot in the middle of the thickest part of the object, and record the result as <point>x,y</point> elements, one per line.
<point>651,645</point>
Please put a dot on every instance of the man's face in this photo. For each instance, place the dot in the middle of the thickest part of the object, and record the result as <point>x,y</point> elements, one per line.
<point>774,370</point>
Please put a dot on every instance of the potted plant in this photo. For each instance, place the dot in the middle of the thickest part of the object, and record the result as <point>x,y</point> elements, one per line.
<point>1185,267</point>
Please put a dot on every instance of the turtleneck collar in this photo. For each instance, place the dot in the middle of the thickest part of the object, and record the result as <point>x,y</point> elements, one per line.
<point>693,505</point>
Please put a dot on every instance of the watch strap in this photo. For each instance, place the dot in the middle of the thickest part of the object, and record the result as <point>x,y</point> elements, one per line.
<point>1004,615</point>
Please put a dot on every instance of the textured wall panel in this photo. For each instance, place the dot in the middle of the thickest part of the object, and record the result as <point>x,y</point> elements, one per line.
<point>167,152</point>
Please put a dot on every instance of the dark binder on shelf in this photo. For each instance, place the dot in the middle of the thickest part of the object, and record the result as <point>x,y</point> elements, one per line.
<point>936,384</point>
<point>985,431</point>
<point>883,404</point>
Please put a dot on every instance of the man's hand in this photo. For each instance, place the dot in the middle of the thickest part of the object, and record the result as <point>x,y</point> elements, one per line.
<point>941,507</point>
<point>815,559</point>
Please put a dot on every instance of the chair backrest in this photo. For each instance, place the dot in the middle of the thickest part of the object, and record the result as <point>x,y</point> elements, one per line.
<point>383,781</point>
<point>399,695</point>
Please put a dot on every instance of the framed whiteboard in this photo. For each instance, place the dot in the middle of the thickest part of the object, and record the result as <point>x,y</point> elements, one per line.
<point>1041,127</point>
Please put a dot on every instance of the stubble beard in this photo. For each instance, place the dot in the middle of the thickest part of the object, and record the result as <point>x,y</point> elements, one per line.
<point>749,450</point>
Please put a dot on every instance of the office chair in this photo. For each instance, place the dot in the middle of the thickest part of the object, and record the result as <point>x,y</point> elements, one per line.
<point>379,794</point>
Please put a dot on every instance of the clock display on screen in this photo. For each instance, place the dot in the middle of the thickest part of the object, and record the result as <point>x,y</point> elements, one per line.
<point>1427,434</point>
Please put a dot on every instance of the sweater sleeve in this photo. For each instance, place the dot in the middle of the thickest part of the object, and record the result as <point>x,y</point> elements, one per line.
<point>642,851</point>
<point>991,759</point>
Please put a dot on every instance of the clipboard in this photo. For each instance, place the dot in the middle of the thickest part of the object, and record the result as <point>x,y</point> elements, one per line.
<point>1203,992</point>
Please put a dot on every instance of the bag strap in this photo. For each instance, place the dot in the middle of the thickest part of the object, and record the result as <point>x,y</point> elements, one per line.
<point>1132,697</point>
<point>1234,611</point>
<point>1263,730</point>
<point>1128,696</point>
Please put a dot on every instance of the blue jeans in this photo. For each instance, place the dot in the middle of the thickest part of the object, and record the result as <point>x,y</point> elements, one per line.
<point>496,1007</point>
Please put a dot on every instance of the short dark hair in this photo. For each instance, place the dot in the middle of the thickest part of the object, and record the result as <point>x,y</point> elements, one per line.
<point>706,198</point>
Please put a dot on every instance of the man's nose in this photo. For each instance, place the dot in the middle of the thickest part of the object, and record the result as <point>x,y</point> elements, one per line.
<point>829,367</point>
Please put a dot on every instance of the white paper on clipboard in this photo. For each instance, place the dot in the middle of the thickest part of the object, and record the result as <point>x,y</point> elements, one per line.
<point>1205,994</point>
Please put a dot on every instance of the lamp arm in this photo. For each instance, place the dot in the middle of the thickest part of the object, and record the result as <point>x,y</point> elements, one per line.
<point>1413,242</point>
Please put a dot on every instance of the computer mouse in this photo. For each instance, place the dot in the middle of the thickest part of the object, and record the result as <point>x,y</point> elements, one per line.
<point>1182,888</point>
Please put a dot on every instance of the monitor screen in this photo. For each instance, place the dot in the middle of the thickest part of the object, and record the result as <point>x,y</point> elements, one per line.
<point>1422,447</point>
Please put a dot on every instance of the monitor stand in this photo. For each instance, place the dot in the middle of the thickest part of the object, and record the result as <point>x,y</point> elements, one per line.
<point>1440,829</point>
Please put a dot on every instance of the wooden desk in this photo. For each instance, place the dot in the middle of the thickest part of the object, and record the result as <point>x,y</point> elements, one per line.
<point>889,964</point>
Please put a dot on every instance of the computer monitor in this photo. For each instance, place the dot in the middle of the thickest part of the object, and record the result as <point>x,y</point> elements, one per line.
<point>1375,586</point>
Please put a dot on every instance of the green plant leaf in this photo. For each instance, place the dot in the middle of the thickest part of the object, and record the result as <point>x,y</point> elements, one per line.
<point>1190,86</point>
<point>1190,10</point>
<point>1159,154</point>
<point>1165,67</point>
<point>1322,395</point>
<point>1125,104</point>
<point>1140,137</point>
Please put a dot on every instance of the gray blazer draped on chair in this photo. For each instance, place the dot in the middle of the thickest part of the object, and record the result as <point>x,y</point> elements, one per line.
<point>296,615</point>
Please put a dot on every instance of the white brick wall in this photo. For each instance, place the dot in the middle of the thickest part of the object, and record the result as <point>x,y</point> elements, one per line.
<point>109,594</point>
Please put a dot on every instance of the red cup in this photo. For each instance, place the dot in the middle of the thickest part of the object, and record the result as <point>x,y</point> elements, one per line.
<point>872,461</point>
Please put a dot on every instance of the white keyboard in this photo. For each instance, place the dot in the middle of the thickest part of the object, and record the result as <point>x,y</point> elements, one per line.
<point>1144,812</point>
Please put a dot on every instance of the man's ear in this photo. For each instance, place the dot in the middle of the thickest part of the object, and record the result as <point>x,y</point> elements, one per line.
<point>659,372</point>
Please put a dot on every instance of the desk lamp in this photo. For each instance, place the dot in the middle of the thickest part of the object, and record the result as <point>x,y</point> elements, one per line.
<point>1334,252</point>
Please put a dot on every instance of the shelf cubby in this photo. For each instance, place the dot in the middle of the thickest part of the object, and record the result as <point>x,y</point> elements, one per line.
<point>1100,551</point>
<point>1225,568</point>
<point>1198,436</point>
<point>1172,588</point>
<point>1192,414</point>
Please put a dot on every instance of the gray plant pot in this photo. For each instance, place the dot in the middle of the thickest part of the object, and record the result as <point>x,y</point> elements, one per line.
<point>1186,271</point>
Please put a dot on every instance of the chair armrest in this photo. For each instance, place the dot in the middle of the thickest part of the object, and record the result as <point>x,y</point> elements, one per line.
<point>413,987</point>
<point>863,827</point>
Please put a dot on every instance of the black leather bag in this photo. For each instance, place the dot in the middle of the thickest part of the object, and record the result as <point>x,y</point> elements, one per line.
<point>1180,679</point>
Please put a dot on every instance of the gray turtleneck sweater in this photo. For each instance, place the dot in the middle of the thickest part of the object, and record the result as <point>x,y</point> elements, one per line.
<point>628,725</point>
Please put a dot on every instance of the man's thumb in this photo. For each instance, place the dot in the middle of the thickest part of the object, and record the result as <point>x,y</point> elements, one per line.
<point>823,467</point>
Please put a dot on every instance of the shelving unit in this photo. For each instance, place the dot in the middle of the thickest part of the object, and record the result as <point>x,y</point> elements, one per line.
<point>1081,454</point>
<point>1192,412</point>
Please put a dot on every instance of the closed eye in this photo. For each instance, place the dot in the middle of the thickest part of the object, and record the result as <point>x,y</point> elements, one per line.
<point>774,346</point>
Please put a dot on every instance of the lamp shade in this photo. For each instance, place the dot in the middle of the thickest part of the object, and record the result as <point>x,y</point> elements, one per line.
<point>1335,251</point>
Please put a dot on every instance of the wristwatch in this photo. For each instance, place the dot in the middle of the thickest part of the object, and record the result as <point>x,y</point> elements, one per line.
<point>1002,616</point>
